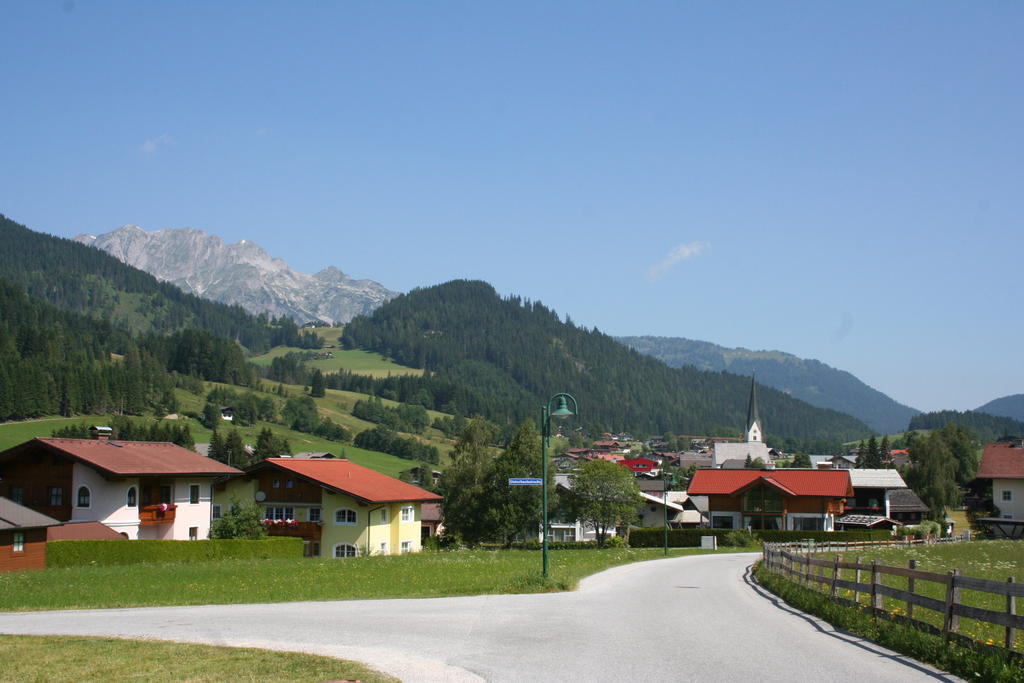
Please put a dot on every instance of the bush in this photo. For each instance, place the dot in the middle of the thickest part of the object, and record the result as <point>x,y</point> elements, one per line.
<point>738,539</point>
<point>690,538</point>
<point>81,553</point>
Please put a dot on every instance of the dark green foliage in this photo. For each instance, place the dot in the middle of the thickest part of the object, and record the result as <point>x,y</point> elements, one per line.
<point>299,413</point>
<point>986,427</point>
<point>515,510</point>
<point>104,553</point>
<point>248,406</point>
<point>123,429</point>
<point>464,484</point>
<point>869,457</point>
<point>332,431</point>
<point>603,496</point>
<point>269,445</point>
<point>402,418</point>
<point>933,474</point>
<point>234,450</point>
<point>801,460</point>
<point>382,439</point>
<point>503,358</point>
<point>316,384</point>
<point>241,520</point>
<point>808,380</point>
<point>690,538</point>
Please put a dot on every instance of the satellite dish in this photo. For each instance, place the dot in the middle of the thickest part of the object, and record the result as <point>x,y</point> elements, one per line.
<point>260,496</point>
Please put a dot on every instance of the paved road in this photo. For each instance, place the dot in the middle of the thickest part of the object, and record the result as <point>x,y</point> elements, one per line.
<point>684,619</point>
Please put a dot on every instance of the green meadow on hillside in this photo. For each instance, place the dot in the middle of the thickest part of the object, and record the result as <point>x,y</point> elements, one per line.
<point>353,360</point>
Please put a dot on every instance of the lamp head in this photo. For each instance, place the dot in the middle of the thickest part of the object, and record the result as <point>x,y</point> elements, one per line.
<point>562,411</point>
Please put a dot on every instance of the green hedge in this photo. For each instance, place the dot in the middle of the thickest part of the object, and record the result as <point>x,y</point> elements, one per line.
<point>690,538</point>
<point>82,553</point>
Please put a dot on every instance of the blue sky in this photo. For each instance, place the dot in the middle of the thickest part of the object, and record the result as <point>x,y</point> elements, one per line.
<point>841,181</point>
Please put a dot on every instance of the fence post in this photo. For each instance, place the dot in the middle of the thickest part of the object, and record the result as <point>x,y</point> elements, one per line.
<point>856,578</point>
<point>1011,609</point>
<point>835,575</point>
<point>952,621</point>
<point>876,578</point>
<point>910,589</point>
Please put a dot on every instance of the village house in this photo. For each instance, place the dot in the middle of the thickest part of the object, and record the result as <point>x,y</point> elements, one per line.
<point>805,500</point>
<point>25,535</point>
<point>644,467</point>
<point>1002,464</point>
<point>338,508</point>
<point>870,506</point>
<point>139,489</point>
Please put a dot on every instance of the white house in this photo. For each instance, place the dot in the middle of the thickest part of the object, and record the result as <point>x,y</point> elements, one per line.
<point>139,489</point>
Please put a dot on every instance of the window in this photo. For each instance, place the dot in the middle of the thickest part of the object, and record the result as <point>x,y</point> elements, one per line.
<point>276,484</point>
<point>165,495</point>
<point>215,511</point>
<point>384,548</point>
<point>383,515</point>
<point>289,484</point>
<point>808,523</point>
<point>193,533</point>
<point>83,496</point>
<point>17,494</point>
<point>343,550</point>
<point>131,498</point>
<point>1007,495</point>
<point>344,516</point>
<point>18,545</point>
<point>56,495</point>
<point>721,521</point>
<point>406,547</point>
<point>762,499</point>
<point>275,513</point>
<point>193,494</point>
<point>408,513</point>
<point>316,549</point>
<point>314,514</point>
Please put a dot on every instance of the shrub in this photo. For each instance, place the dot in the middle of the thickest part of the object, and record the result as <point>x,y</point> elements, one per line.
<point>690,538</point>
<point>80,553</point>
<point>738,539</point>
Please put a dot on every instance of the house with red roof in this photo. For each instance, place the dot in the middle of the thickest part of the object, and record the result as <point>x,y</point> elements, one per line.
<point>641,466</point>
<point>1002,463</point>
<point>338,508</point>
<point>139,489</point>
<point>806,500</point>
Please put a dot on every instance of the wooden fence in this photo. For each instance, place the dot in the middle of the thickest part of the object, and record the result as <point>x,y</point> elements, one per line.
<point>865,580</point>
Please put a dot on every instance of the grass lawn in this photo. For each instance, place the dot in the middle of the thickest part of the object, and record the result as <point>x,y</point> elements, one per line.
<point>352,360</point>
<point>422,575</point>
<point>996,560</point>
<point>66,658</point>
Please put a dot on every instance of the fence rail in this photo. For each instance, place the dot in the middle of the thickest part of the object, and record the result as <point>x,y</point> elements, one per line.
<point>796,562</point>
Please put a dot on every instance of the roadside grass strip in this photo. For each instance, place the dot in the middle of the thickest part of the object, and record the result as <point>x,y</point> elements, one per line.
<point>421,575</point>
<point>67,658</point>
<point>975,664</point>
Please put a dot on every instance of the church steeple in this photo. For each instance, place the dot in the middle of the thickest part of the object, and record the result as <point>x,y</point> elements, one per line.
<point>754,430</point>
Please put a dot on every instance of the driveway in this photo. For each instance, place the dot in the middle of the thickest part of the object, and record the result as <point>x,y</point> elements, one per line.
<point>696,618</point>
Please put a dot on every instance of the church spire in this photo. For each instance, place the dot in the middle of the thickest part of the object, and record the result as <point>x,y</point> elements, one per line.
<point>754,430</point>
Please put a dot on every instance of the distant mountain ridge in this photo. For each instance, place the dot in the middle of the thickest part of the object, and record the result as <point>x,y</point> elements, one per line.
<point>806,379</point>
<point>240,274</point>
<point>1008,406</point>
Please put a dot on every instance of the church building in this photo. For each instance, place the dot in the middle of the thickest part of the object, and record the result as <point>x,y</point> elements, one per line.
<point>734,455</point>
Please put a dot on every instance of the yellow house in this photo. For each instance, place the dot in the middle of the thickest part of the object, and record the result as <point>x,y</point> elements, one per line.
<point>339,509</point>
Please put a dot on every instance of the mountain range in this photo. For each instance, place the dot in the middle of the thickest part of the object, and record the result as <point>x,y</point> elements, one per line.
<point>240,274</point>
<point>806,379</point>
<point>1007,406</point>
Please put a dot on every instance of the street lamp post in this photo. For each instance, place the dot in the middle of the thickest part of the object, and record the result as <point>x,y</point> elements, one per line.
<point>562,410</point>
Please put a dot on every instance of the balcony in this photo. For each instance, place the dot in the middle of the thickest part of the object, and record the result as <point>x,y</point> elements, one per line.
<point>156,514</point>
<point>301,529</point>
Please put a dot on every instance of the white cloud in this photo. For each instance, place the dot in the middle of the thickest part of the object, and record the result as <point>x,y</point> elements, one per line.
<point>152,145</point>
<point>681,253</point>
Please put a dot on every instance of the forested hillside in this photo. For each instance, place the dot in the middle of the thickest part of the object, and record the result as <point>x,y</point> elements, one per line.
<point>1007,406</point>
<point>806,379</point>
<point>78,278</point>
<point>986,427</point>
<point>502,358</point>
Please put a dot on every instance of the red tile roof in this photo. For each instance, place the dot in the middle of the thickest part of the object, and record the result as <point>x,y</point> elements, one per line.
<point>1001,460</point>
<point>82,531</point>
<point>357,481</point>
<point>831,483</point>
<point>129,458</point>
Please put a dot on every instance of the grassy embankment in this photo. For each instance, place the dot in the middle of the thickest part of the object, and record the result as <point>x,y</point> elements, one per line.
<point>995,560</point>
<point>52,659</point>
<point>424,575</point>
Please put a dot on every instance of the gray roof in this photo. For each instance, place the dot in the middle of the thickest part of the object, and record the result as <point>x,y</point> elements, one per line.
<point>15,516</point>
<point>864,520</point>
<point>905,500</point>
<point>740,451</point>
<point>879,479</point>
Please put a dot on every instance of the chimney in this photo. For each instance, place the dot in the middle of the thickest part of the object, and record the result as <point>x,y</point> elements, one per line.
<point>100,433</point>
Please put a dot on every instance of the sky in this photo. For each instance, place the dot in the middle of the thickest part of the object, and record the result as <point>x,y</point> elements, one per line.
<point>839,181</point>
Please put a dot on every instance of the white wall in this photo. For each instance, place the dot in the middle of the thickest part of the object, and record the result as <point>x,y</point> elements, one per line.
<point>108,501</point>
<point>1013,507</point>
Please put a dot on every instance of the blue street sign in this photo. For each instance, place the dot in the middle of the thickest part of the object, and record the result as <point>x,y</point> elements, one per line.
<point>525,481</point>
